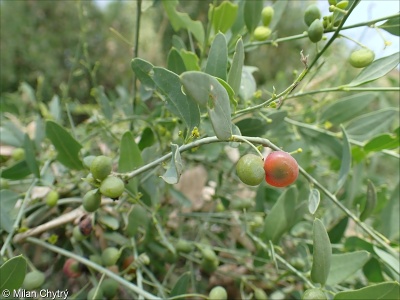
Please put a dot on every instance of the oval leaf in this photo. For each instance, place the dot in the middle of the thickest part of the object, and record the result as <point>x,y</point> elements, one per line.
<point>130,158</point>
<point>392,26</point>
<point>7,204</point>
<point>30,156</point>
<point>235,72</point>
<point>175,166</point>
<point>377,69</point>
<point>17,171</point>
<point>381,142</point>
<point>67,147</point>
<point>322,253</point>
<point>346,264</point>
<point>346,160</point>
<point>137,217</point>
<point>207,91</point>
<point>181,286</point>
<point>224,16</point>
<point>384,290</point>
<point>12,274</point>
<point>389,259</point>
<point>217,62</point>
<point>279,219</point>
<point>313,201</point>
<point>252,13</point>
<point>175,62</point>
<point>143,70</point>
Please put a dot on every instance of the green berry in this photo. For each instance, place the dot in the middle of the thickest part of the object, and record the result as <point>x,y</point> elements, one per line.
<point>110,256</point>
<point>218,293</point>
<point>261,33</point>
<point>316,31</point>
<point>361,58</point>
<point>342,4</point>
<point>332,2</point>
<point>52,198</point>
<point>112,187</point>
<point>87,161</point>
<point>18,154</point>
<point>109,287</point>
<point>311,14</point>
<point>183,246</point>
<point>92,200</point>
<point>250,169</point>
<point>77,234</point>
<point>312,294</point>
<point>95,293</point>
<point>101,167</point>
<point>4,184</point>
<point>267,14</point>
<point>33,280</point>
<point>259,294</point>
<point>96,259</point>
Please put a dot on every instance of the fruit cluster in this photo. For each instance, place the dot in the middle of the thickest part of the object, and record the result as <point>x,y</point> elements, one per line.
<point>104,183</point>
<point>262,33</point>
<point>279,169</point>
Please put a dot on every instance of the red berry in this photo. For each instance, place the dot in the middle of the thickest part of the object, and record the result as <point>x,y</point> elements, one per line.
<point>72,268</point>
<point>281,169</point>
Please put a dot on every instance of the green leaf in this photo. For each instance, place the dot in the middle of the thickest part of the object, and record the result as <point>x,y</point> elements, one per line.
<point>190,59</point>
<point>252,13</point>
<point>143,71</point>
<point>235,72</point>
<point>370,124</point>
<point>30,156</point>
<point>10,134</point>
<point>346,264</point>
<point>373,271</point>
<point>313,200</point>
<point>384,290</point>
<point>175,167</point>
<point>180,105</point>
<point>328,144</point>
<point>370,201</point>
<point>17,171</point>
<point>390,216</point>
<point>346,160</point>
<point>224,16</point>
<point>8,199</point>
<point>231,93</point>
<point>248,84</point>
<point>346,108</point>
<point>67,147</point>
<point>175,62</point>
<point>322,253</point>
<point>252,127</point>
<point>217,62</point>
<point>55,108</point>
<point>382,142</point>
<point>181,286</point>
<point>109,221</point>
<point>388,259</point>
<point>207,91</point>
<point>180,197</point>
<point>130,159</point>
<point>392,26</point>
<point>336,232</point>
<point>137,217</point>
<point>279,8</point>
<point>103,101</point>
<point>279,219</point>
<point>181,20</point>
<point>12,274</point>
<point>147,139</point>
<point>377,69</point>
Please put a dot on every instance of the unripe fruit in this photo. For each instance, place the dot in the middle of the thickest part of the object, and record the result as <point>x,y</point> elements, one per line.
<point>316,31</point>
<point>312,294</point>
<point>210,260</point>
<point>261,33</point>
<point>87,161</point>
<point>112,187</point>
<point>110,256</point>
<point>218,293</point>
<point>96,259</point>
<point>259,294</point>
<point>109,287</point>
<point>332,2</point>
<point>18,154</point>
<point>101,167</point>
<point>281,169</point>
<point>183,246</point>
<point>267,14</point>
<point>95,293</point>
<point>361,58</point>
<point>33,280</point>
<point>342,4</point>
<point>92,200</point>
<point>311,14</point>
<point>249,169</point>
<point>72,268</point>
<point>4,184</point>
<point>52,198</point>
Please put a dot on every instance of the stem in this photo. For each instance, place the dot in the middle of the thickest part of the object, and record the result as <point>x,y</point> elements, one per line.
<point>136,53</point>
<point>238,137</point>
<point>94,266</point>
